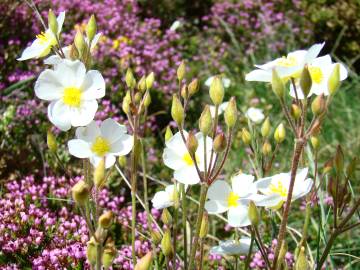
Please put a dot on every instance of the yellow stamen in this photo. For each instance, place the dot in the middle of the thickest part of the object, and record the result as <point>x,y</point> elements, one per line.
<point>233,199</point>
<point>288,61</point>
<point>278,189</point>
<point>72,96</point>
<point>100,147</point>
<point>188,160</point>
<point>316,74</point>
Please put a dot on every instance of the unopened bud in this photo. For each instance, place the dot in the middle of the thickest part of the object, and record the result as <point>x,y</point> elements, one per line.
<point>205,121</point>
<point>137,97</point>
<point>191,143</point>
<point>217,90</point>
<point>266,148</point>
<point>155,237</point>
<point>53,24</point>
<point>253,214</point>
<point>150,80</point>
<point>184,92</point>
<point>106,219</point>
<point>80,42</point>
<point>108,257</point>
<point>315,142</point>
<point>305,81</point>
<point>74,54</point>
<point>168,134</point>
<point>193,87</point>
<point>181,71</point>
<point>147,99</point>
<point>91,249</point>
<point>166,245</point>
<point>142,84</point>
<point>245,136</point>
<point>177,111</point>
<point>130,79</point>
<point>295,111</point>
<point>99,173</point>
<point>277,84</point>
<point>126,103</point>
<point>265,128</point>
<point>334,80</point>
<point>80,192</point>
<point>301,262</point>
<point>220,143</point>
<point>230,113</point>
<point>122,161</point>
<point>166,217</point>
<point>91,28</point>
<point>318,105</point>
<point>145,262</point>
<point>204,228</point>
<point>51,141</point>
<point>339,160</point>
<point>280,133</point>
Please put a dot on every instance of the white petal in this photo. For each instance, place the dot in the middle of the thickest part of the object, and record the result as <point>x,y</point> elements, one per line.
<point>112,130</point>
<point>33,51</point>
<point>323,61</point>
<point>48,87</point>
<point>263,184</point>
<point>95,41</point>
<point>60,20</point>
<point>301,174</point>
<point>343,72</point>
<point>299,55</point>
<point>242,184</point>
<point>216,207</point>
<point>172,159</point>
<point>313,52</point>
<point>93,85</point>
<point>109,161</point>
<point>52,60</point>
<point>232,247</point>
<point>187,175</point>
<point>122,146</point>
<point>88,133</point>
<point>161,200</point>
<point>219,191</point>
<point>268,200</point>
<point>59,115</point>
<point>238,216</point>
<point>85,114</point>
<point>258,75</point>
<point>299,92</point>
<point>302,188</point>
<point>70,73</point>
<point>79,148</point>
<point>177,144</point>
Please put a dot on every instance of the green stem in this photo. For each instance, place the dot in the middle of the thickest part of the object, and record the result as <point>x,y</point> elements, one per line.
<point>248,258</point>
<point>204,189</point>
<point>98,257</point>
<point>176,213</point>
<point>201,254</point>
<point>133,196</point>
<point>184,215</point>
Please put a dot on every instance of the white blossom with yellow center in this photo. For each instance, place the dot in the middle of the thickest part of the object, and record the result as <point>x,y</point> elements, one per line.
<point>177,157</point>
<point>232,199</point>
<point>287,66</point>
<point>232,247</point>
<point>320,70</point>
<point>95,142</point>
<point>255,114</point>
<point>43,43</point>
<point>166,198</point>
<point>275,188</point>
<point>72,91</point>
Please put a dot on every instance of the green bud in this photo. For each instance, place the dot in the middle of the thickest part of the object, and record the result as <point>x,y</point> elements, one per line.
<point>99,174</point>
<point>126,103</point>
<point>277,84</point>
<point>122,161</point>
<point>301,262</point>
<point>205,121</point>
<point>204,228</point>
<point>79,42</point>
<point>230,113</point>
<point>166,245</point>
<point>137,97</point>
<point>265,128</point>
<point>280,133</point>
<point>108,257</point>
<point>184,92</point>
<point>191,143</point>
<point>266,148</point>
<point>246,136</point>
<point>80,192</point>
<point>305,81</point>
<point>91,249</point>
<point>106,219</point>
<point>318,105</point>
<point>181,71</point>
<point>53,24</point>
<point>150,80</point>
<point>216,90</point>
<point>168,134</point>
<point>295,111</point>
<point>142,84</point>
<point>220,143</point>
<point>91,28</point>
<point>253,214</point>
<point>155,237</point>
<point>193,87</point>
<point>51,141</point>
<point>130,79</point>
<point>145,262</point>
<point>177,111</point>
<point>334,80</point>
<point>339,160</point>
<point>166,217</point>
<point>315,142</point>
<point>147,99</point>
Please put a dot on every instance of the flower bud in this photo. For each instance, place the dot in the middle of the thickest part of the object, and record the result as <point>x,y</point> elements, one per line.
<point>205,121</point>
<point>305,81</point>
<point>126,103</point>
<point>253,214</point>
<point>99,174</point>
<point>315,142</point>
<point>301,262</point>
<point>266,148</point>
<point>184,92</point>
<point>106,219</point>
<point>129,79</point>
<point>91,251</point>
<point>137,97</point>
<point>177,111</point>
<point>147,99</point>
<point>122,161</point>
<point>108,257</point>
<point>145,262</point>
<point>216,90</point>
<point>51,141</point>
<point>80,192</point>
<point>166,217</point>
<point>191,143</point>
<point>339,160</point>
<point>295,111</point>
<point>80,42</point>
<point>277,84</point>
<point>181,71</point>
<point>91,28</point>
<point>334,80</point>
<point>150,80</point>
<point>280,133</point>
<point>155,237</point>
<point>166,245</point>
<point>204,228</point>
<point>220,143</point>
<point>142,84</point>
<point>351,168</point>
<point>74,54</point>
<point>265,128</point>
<point>193,87</point>
<point>245,136</point>
<point>53,24</point>
<point>318,105</point>
<point>230,113</point>
<point>168,134</point>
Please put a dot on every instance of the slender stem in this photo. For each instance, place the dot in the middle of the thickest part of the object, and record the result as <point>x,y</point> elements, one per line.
<point>287,115</point>
<point>248,258</point>
<point>176,213</point>
<point>201,254</point>
<point>133,194</point>
<point>236,262</point>
<point>261,246</point>
<point>98,256</point>
<point>306,223</point>
<point>326,251</point>
<point>184,215</point>
<point>204,189</point>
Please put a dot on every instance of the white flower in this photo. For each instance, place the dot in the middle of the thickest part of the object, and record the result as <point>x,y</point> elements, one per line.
<point>320,70</point>
<point>232,247</point>
<point>72,92</point>
<point>221,109</point>
<point>165,198</point>
<point>177,157</point>
<point>226,82</point>
<point>275,188</point>
<point>234,199</point>
<point>56,59</point>
<point>107,141</point>
<point>175,25</point>
<point>255,115</point>
<point>43,43</point>
<point>289,66</point>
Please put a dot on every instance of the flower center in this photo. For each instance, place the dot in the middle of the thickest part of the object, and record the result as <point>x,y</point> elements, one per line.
<point>278,188</point>
<point>188,160</point>
<point>72,96</point>
<point>44,38</point>
<point>316,74</point>
<point>233,199</point>
<point>288,61</point>
<point>100,146</point>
